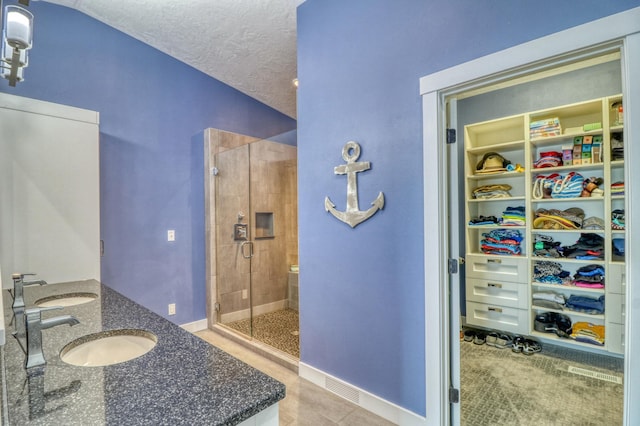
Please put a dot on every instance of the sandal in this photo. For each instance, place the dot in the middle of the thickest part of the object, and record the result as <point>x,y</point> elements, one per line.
<point>504,341</point>
<point>492,338</point>
<point>531,347</point>
<point>518,344</point>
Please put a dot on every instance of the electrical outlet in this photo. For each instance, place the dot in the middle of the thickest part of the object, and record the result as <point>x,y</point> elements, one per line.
<point>245,294</point>
<point>172,308</point>
<point>171,235</point>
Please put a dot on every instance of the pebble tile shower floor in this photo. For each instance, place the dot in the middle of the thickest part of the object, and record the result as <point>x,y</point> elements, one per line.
<point>277,329</point>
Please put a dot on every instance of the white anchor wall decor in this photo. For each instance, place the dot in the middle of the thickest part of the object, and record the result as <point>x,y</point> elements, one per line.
<point>353,216</point>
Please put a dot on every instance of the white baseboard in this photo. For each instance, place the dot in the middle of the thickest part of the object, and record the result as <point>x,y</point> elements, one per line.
<point>195,326</point>
<point>360,397</point>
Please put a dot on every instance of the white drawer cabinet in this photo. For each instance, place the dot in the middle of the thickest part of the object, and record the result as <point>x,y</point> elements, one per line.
<point>503,268</point>
<point>509,294</point>
<point>614,338</point>
<point>498,317</point>
<point>616,278</point>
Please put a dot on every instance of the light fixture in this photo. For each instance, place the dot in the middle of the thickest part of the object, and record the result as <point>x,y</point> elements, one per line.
<point>7,55</point>
<point>5,71</point>
<point>17,39</point>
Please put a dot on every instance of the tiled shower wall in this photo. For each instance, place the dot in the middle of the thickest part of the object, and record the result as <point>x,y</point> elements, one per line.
<point>273,177</point>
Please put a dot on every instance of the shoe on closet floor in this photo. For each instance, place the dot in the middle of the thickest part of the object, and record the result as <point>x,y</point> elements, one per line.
<point>469,335</point>
<point>503,341</point>
<point>531,347</point>
<point>480,338</point>
<point>492,338</point>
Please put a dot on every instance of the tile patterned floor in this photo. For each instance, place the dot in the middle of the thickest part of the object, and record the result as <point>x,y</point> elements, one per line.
<point>305,404</point>
<point>500,387</point>
<point>277,329</point>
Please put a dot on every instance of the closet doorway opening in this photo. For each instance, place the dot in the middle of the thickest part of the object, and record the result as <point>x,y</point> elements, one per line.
<point>521,268</point>
<point>442,92</point>
<point>252,241</point>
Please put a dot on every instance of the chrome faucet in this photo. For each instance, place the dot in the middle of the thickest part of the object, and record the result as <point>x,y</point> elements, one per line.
<point>35,324</point>
<point>18,288</point>
<point>18,300</point>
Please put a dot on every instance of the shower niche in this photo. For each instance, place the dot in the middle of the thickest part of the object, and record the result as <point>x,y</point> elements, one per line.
<point>264,225</point>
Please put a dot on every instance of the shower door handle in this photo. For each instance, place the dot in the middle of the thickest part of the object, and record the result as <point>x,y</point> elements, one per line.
<point>244,252</point>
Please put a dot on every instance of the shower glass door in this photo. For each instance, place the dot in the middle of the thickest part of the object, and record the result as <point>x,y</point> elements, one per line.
<point>233,238</point>
<point>257,242</point>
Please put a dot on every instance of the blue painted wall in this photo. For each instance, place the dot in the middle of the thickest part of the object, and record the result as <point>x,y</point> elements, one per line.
<point>153,110</point>
<point>362,290</point>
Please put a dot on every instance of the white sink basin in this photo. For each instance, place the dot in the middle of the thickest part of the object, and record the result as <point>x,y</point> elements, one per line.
<point>70,299</point>
<point>108,348</point>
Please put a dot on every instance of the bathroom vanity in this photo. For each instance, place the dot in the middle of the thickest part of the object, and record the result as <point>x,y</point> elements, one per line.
<point>182,380</point>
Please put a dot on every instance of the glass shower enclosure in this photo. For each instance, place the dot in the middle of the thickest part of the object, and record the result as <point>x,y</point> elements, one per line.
<point>256,241</point>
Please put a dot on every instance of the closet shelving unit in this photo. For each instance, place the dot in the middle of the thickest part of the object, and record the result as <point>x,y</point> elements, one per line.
<point>499,288</point>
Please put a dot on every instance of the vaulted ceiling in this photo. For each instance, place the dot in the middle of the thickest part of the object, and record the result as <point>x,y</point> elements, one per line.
<point>247,44</point>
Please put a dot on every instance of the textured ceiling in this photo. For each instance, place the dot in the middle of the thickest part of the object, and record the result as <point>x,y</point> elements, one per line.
<point>247,44</point>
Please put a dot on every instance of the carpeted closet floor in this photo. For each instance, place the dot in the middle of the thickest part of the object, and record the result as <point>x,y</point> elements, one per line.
<point>277,329</point>
<point>500,387</point>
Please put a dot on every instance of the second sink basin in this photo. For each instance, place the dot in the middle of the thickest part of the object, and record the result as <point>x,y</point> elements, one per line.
<point>69,299</point>
<point>108,347</point>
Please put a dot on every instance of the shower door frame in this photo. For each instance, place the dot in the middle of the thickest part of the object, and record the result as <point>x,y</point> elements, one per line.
<point>215,141</point>
<point>264,184</point>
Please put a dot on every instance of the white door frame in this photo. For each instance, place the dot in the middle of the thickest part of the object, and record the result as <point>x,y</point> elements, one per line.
<point>622,28</point>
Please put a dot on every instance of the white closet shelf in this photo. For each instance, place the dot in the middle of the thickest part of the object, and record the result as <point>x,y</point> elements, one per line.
<point>554,140</point>
<point>570,288</point>
<point>503,136</point>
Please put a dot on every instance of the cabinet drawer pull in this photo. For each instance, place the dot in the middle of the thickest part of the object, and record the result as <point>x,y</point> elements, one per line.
<point>494,285</point>
<point>492,309</point>
<point>494,261</point>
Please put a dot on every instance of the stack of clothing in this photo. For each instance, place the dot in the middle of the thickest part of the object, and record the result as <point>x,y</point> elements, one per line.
<point>586,305</point>
<point>547,272</point>
<point>617,219</point>
<point>544,246</point>
<point>617,147</point>
<point>492,191</point>
<point>484,220</point>
<point>588,333</point>
<point>588,247</point>
<point>590,276</point>
<point>514,216</point>
<point>502,241</point>
<point>548,300</point>
<point>617,188</point>
<point>545,128</point>
<point>618,246</point>
<point>548,159</point>
<point>559,219</point>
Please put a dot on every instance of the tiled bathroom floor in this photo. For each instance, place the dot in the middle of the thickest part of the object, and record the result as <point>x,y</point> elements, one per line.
<point>305,403</point>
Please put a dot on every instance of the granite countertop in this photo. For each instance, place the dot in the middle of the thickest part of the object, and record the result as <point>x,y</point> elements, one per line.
<point>182,380</point>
